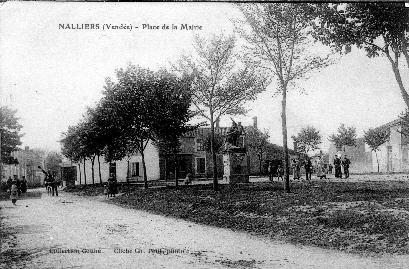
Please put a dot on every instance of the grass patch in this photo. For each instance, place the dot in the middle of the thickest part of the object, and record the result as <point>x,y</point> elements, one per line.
<point>358,217</point>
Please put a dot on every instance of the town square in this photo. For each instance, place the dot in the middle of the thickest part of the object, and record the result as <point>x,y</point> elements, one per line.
<point>204,135</point>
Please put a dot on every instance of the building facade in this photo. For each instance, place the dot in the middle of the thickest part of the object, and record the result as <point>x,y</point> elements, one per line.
<point>393,156</point>
<point>27,166</point>
<point>118,169</point>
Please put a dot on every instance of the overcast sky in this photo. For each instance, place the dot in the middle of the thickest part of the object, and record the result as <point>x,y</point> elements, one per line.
<point>51,75</point>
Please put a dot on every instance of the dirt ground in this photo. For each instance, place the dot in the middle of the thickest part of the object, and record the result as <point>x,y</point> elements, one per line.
<point>39,231</point>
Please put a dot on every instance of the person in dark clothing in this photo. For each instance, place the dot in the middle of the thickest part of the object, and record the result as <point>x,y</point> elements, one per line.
<point>345,163</point>
<point>9,184</point>
<point>280,172</point>
<point>270,170</point>
<point>337,166</point>
<point>308,168</point>
<point>18,184</point>
<point>112,186</point>
<point>53,184</point>
<point>23,185</point>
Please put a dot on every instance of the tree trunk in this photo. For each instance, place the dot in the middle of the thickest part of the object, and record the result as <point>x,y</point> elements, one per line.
<point>166,168</point>
<point>176,172</point>
<point>92,171</point>
<point>260,160</point>
<point>285,147</point>
<point>99,170</point>
<point>398,78</point>
<point>127,171</point>
<point>79,169</point>
<point>214,158</point>
<point>85,174</point>
<point>405,50</point>
<point>145,177</point>
<point>377,161</point>
<point>127,175</point>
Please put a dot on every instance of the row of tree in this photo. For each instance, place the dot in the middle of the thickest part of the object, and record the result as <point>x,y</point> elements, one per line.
<point>279,41</point>
<point>219,79</point>
<point>141,106</point>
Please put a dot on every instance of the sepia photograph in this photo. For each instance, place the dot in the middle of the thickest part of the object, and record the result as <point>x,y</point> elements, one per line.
<point>204,135</point>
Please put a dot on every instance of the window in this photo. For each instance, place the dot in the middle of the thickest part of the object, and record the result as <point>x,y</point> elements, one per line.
<point>200,165</point>
<point>199,144</point>
<point>135,169</point>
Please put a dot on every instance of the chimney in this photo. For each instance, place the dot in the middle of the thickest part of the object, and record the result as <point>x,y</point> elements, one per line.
<point>255,122</point>
<point>218,123</point>
<point>295,146</point>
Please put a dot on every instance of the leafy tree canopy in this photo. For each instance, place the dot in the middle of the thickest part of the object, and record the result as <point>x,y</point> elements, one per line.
<point>379,28</point>
<point>10,134</point>
<point>308,139</point>
<point>374,138</point>
<point>345,136</point>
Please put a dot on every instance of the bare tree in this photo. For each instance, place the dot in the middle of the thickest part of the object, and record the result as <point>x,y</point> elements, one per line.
<point>221,83</point>
<point>279,43</point>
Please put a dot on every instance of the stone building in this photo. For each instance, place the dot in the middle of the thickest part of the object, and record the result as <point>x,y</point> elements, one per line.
<point>28,162</point>
<point>392,155</point>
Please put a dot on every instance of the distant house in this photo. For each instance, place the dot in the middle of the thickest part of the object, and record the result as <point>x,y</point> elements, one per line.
<point>193,157</point>
<point>27,166</point>
<point>392,155</point>
<point>119,169</point>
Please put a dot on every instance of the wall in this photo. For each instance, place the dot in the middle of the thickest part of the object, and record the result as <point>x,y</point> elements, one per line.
<point>151,161</point>
<point>399,154</point>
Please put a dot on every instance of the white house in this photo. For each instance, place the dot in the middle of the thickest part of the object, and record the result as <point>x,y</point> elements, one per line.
<point>119,168</point>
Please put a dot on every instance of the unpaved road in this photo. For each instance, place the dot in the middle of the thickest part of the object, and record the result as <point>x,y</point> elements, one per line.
<point>78,224</point>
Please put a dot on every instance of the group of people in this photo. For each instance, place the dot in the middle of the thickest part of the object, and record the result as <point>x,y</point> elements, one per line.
<point>16,187</point>
<point>296,165</point>
<point>279,171</point>
<point>338,163</point>
<point>319,167</point>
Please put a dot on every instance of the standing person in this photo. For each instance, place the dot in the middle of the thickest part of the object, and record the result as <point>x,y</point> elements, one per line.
<point>320,168</point>
<point>330,169</point>
<point>53,183</point>
<point>296,168</point>
<point>9,184</point>
<point>23,185</point>
<point>112,188</point>
<point>280,172</point>
<point>308,168</point>
<point>337,166</point>
<point>345,163</point>
<point>14,192</point>
<point>270,170</point>
<point>15,178</point>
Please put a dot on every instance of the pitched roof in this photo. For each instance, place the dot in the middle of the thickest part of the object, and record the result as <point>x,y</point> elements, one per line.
<point>204,131</point>
<point>390,124</point>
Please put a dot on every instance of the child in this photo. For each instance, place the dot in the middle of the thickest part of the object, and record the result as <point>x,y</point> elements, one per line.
<point>14,192</point>
<point>188,179</point>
